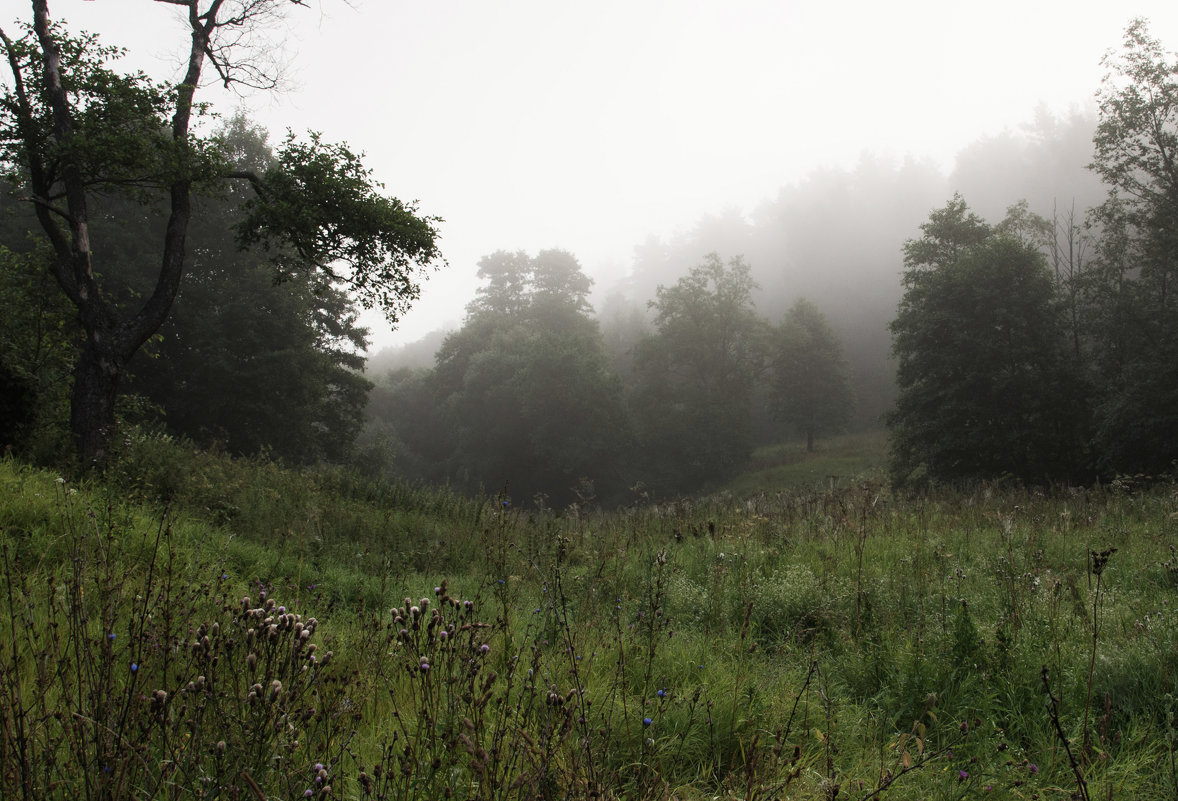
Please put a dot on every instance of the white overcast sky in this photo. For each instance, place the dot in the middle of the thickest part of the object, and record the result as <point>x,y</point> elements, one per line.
<point>588,125</point>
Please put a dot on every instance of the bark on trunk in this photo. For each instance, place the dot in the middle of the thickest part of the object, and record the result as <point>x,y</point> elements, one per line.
<point>92,404</point>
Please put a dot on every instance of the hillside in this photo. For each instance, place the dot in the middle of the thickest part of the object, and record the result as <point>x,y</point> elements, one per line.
<point>195,626</point>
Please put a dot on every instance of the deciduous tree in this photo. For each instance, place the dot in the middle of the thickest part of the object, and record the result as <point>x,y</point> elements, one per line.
<point>812,386</point>
<point>1132,283</point>
<point>523,396</point>
<point>243,361</point>
<point>694,376</point>
<point>987,385</point>
<point>74,130</point>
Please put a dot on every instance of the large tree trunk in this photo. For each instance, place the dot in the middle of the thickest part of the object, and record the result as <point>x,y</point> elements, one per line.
<point>92,404</point>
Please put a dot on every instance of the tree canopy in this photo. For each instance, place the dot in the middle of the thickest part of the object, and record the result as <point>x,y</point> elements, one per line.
<point>812,387</point>
<point>1130,308</point>
<point>987,388</point>
<point>522,398</point>
<point>75,132</point>
<point>692,400</point>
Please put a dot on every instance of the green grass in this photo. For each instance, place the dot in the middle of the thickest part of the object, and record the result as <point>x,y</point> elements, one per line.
<point>834,462</point>
<point>718,648</point>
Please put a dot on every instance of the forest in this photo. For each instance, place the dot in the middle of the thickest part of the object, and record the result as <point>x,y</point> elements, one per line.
<point>1022,329</point>
<point>558,552</point>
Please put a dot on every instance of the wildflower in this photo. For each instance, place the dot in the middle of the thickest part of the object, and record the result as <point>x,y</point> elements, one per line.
<point>134,667</point>
<point>111,636</point>
<point>662,693</point>
<point>484,649</point>
<point>1034,768</point>
<point>646,721</point>
<point>962,775</point>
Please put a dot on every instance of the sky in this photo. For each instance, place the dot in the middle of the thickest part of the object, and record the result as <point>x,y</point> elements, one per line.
<point>590,126</point>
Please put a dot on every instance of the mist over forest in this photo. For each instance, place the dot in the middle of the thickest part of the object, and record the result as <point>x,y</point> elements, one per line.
<point>834,239</point>
<point>867,488</point>
<point>883,293</point>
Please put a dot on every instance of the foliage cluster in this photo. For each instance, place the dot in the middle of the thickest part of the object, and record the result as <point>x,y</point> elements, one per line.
<point>1045,352</point>
<point>110,165</point>
<point>525,396</point>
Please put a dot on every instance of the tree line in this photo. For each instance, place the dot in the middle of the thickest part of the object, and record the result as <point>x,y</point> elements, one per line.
<point>208,285</point>
<point>525,398</point>
<point>1046,351</point>
<point>211,283</point>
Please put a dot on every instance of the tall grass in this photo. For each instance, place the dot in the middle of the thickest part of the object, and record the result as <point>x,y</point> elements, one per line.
<point>197,627</point>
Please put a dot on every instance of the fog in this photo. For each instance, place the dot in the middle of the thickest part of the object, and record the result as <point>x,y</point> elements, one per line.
<point>602,128</point>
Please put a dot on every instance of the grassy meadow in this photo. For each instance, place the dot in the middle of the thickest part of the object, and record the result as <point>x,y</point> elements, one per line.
<point>191,626</point>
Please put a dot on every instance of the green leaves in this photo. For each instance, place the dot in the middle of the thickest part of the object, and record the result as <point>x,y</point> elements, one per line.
<point>813,391</point>
<point>120,136</point>
<point>987,388</point>
<point>1136,140</point>
<point>319,202</point>
<point>692,402</point>
<point>1129,293</point>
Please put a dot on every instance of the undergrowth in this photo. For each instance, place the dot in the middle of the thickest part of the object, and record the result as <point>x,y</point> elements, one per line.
<point>190,626</point>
